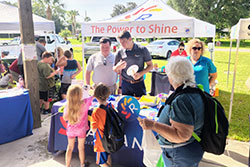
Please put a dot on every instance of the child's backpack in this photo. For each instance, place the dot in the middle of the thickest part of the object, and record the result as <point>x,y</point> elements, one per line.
<point>215,128</point>
<point>113,136</point>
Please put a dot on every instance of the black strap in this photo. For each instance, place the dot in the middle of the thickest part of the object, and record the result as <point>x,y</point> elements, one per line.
<point>178,92</point>
<point>102,106</point>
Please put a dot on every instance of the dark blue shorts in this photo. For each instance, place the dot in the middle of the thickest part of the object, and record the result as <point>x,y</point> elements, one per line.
<point>102,158</point>
<point>136,89</point>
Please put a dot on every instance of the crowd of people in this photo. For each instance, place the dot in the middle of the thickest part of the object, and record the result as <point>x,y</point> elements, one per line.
<point>177,120</point>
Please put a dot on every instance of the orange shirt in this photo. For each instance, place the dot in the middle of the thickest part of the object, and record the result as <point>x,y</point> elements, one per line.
<point>98,119</point>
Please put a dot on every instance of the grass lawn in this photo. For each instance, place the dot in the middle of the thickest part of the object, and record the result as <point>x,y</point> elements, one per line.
<point>239,125</point>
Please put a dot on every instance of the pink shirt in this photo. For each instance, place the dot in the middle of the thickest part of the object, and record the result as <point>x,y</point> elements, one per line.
<point>80,128</point>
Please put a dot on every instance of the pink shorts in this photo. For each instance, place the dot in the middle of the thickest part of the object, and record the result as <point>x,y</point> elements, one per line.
<point>80,136</point>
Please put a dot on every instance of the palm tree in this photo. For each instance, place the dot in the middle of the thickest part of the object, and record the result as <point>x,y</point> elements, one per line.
<point>72,15</point>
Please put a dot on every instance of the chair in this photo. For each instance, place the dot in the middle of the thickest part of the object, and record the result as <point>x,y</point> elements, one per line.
<point>160,84</point>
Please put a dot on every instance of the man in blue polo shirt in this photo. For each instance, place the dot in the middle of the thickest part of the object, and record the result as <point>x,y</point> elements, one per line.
<point>129,63</point>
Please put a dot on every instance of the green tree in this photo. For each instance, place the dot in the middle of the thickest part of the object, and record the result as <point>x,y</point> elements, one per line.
<point>87,19</point>
<point>9,3</point>
<point>72,15</point>
<point>65,33</point>
<point>44,8</point>
<point>120,9</point>
<point>222,13</point>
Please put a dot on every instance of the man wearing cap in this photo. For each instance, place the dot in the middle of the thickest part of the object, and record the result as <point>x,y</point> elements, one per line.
<point>129,63</point>
<point>100,62</point>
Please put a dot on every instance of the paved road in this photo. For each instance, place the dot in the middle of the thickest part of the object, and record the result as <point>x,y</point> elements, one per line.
<point>32,151</point>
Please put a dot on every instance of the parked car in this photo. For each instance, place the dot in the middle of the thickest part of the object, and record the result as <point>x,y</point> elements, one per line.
<point>53,41</point>
<point>13,47</point>
<point>93,46</point>
<point>14,41</point>
<point>163,48</point>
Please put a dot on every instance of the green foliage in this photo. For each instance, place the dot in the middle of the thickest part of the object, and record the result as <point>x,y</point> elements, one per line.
<point>72,20</point>
<point>119,8</point>
<point>87,19</point>
<point>9,3</point>
<point>222,13</point>
<point>65,33</point>
<point>40,7</point>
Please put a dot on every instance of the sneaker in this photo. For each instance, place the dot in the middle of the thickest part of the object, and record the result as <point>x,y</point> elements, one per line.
<point>46,111</point>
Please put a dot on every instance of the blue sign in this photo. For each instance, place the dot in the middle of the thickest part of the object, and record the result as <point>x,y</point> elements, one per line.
<point>129,108</point>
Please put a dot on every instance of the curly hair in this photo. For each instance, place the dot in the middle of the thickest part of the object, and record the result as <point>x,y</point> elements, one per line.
<point>181,71</point>
<point>194,41</point>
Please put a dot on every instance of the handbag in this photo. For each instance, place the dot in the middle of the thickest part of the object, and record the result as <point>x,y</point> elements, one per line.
<point>151,148</point>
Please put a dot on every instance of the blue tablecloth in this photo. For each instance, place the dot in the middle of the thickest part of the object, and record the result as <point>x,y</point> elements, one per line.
<point>16,119</point>
<point>129,155</point>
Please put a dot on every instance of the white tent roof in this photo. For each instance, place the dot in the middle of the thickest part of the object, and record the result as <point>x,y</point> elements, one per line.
<point>9,21</point>
<point>241,30</point>
<point>151,19</point>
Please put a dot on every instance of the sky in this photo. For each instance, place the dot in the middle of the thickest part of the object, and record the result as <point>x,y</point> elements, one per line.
<point>95,9</point>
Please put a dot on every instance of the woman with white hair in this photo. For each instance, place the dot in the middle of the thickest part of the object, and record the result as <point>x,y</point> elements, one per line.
<point>179,118</point>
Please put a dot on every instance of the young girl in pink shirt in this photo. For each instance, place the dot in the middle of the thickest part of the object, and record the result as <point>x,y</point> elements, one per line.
<point>76,113</point>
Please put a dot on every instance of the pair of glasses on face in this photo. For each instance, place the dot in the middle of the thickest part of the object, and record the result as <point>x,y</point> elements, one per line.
<point>105,61</point>
<point>181,49</point>
<point>196,48</point>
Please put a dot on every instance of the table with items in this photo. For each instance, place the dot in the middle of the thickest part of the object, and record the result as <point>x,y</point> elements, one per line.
<point>16,119</point>
<point>131,154</point>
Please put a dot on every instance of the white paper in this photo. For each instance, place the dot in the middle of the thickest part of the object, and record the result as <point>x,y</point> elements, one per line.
<point>29,52</point>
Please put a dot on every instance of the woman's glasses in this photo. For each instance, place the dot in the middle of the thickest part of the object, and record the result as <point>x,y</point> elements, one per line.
<point>196,48</point>
<point>105,61</point>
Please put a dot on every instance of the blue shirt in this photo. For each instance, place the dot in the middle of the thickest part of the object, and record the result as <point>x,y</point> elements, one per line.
<point>202,68</point>
<point>69,70</point>
<point>186,108</point>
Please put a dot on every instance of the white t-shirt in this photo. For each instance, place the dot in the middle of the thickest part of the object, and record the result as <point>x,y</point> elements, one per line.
<point>102,69</point>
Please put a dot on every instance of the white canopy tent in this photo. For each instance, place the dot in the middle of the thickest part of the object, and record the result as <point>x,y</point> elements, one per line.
<point>239,31</point>
<point>151,19</point>
<point>9,21</point>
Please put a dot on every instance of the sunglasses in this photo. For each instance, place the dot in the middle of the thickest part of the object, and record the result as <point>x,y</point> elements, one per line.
<point>105,61</point>
<point>182,49</point>
<point>196,48</point>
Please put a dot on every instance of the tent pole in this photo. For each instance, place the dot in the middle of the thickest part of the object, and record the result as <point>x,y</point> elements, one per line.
<point>82,53</point>
<point>234,78</point>
<point>230,51</point>
<point>212,56</point>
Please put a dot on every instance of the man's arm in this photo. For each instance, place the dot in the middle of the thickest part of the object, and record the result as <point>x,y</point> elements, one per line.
<point>52,74</point>
<point>79,69</point>
<point>119,66</point>
<point>149,67</point>
<point>87,77</point>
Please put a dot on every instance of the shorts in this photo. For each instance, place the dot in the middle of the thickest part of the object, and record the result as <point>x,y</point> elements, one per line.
<point>64,88</point>
<point>102,157</point>
<point>79,136</point>
<point>44,95</point>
